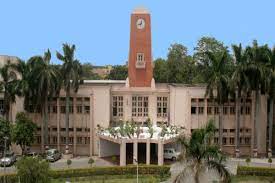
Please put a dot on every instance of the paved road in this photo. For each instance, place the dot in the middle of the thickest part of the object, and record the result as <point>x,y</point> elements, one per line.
<point>78,162</point>
<point>82,162</point>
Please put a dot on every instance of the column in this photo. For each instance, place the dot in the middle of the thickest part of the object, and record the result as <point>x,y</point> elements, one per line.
<point>58,122</point>
<point>122,153</point>
<point>91,125</point>
<point>148,152</point>
<point>160,153</point>
<point>135,151</point>
<point>74,124</point>
<point>152,107</point>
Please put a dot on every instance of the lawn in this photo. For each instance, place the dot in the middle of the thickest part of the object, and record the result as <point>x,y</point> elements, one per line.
<point>253,179</point>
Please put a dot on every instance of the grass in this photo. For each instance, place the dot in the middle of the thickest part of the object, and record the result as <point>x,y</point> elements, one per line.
<point>111,179</point>
<point>252,179</point>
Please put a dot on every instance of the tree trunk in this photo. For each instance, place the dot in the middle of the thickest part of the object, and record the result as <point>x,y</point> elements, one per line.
<point>220,125</point>
<point>256,113</point>
<point>238,117</point>
<point>67,120</point>
<point>45,122</point>
<point>270,120</point>
<point>6,106</point>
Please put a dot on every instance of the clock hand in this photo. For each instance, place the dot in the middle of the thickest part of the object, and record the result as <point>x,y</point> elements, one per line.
<point>140,23</point>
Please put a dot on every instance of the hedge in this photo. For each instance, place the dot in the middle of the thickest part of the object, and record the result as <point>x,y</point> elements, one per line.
<point>117,170</point>
<point>255,171</point>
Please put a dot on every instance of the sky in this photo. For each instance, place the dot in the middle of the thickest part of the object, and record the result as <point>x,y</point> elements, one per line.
<point>100,28</point>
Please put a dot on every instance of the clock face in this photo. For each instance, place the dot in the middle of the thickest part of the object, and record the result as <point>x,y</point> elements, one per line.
<point>140,23</point>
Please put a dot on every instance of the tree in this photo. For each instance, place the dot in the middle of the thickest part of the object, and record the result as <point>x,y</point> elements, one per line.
<point>199,155</point>
<point>204,45</point>
<point>256,72</point>
<point>69,162</point>
<point>160,71</point>
<point>33,170</point>
<point>239,82</point>
<point>118,72</point>
<point>23,131</point>
<point>71,72</point>
<point>45,83</point>
<point>5,131</point>
<point>88,72</point>
<point>218,81</point>
<point>8,85</point>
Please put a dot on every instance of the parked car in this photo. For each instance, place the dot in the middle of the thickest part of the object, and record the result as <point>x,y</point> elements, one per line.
<point>53,155</point>
<point>8,160</point>
<point>170,153</point>
<point>32,154</point>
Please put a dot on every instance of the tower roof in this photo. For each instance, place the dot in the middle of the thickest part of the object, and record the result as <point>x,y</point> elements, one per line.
<point>140,10</point>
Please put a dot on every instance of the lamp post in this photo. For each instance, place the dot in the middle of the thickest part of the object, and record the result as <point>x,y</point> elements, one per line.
<point>136,161</point>
<point>5,146</point>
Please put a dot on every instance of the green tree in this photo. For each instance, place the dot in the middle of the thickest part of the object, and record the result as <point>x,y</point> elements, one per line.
<point>118,72</point>
<point>23,131</point>
<point>160,71</point>
<point>33,170</point>
<point>204,45</point>
<point>5,131</point>
<point>218,81</point>
<point>45,82</point>
<point>88,72</point>
<point>199,155</point>
<point>240,83</point>
<point>71,72</point>
<point>8,86</point>
<point>256,72</point>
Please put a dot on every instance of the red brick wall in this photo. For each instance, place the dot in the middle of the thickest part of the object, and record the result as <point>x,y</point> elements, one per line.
<point>140,41</point>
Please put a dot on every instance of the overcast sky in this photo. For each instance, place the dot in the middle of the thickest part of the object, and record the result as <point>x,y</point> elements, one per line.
<point>100,29</point>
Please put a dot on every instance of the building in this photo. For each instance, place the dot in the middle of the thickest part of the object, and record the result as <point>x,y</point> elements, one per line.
<point>101,102</point>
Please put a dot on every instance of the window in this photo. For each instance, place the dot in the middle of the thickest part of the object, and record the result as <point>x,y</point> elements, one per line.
<point>201,109</point>
<point>140,106</point>
<point>216,140</point>
<point>87,109</point>
<point>231,140</point>
<point>71,140</point>
<point>117,106</point>
<point>162,106</point>
<point>79,140</point>
<point>78,129</point>
<point>232,130</point>
<point>79,109</point>
<point>63,140</point>
<point>140,57</point>
<point>63,129</point>
<point>209,110</point>
<point>241,110</point>
<point>247,110</point>
<point>62,109</point>
<point>71,109</point>
<point>87,140</point>
<point>54,140</point>
<point>224,130</point>
<point>87,129</point>
<point>71,129</point>
<point>224,110</point>
<point>216,110</point>
<point>54,109</point>
<point>38,140</point>
<point>232,110</point>
<point>247,140</point>
<point>54,129</point>
<point>224,141</point>
<point>193,110</point>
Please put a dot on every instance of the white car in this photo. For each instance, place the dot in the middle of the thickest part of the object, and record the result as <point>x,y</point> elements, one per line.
<point>170,153</point>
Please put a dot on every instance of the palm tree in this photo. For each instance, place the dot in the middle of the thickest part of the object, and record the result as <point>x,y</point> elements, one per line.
<point>46,79</point>
<point>71,71</point>
<point>239,82</point>
<point>218,81</point>
<point>199,155</point>
<point>9,86</point>
<point>256,73</point>
<point>271,93</point>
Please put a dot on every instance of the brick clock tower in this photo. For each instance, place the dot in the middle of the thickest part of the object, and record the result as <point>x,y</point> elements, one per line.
<point>140,67</point>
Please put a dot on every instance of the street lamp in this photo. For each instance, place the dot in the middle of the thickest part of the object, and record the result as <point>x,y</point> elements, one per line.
<point>136,161</point>
<point>5,146</point>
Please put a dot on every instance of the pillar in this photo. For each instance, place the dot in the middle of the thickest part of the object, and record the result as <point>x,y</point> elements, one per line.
<point>122,161</point>
<point>91,125</point>
<point>148,152</point>
<point>152,107</point>
<point>160,153</point>
<point>135,152</point>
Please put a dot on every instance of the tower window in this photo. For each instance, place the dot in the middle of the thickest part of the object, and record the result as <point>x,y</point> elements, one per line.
<point>140,63</point>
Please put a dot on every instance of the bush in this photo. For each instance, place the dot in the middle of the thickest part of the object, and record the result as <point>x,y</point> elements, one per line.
<point>156,170</point>
<point>255,171</point>
<point>69,162</point>
<point>91,161</point>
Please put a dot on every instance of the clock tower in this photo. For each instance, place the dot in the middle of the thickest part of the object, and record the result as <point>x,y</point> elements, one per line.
<point>140,68</point>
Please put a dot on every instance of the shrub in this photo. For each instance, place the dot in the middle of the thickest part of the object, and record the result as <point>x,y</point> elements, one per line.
<point>270,161</point>
<point>91,161</point>
<point>69,162</point>
<point>248,160</point>
<point>255,171</point>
